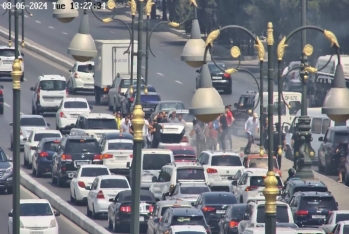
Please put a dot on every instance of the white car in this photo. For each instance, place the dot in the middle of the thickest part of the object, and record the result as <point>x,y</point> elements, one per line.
<point>117,153</point>
<point>85,175</point>
<point>180,229</point>
<point>251,184</point>
<point>81,77</point>
<point>28,123</point>
<point>102,190</point>
<point>341,227</point>
<point>35,214</point>
<point>32,142</point>
<point>48,93</point>
<point>69,110</point>
<point>335,217</point>
<point>7,56</point>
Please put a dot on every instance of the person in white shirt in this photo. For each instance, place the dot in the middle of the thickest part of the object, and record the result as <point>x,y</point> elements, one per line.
<point>145,132</point>
<point>251,125</point>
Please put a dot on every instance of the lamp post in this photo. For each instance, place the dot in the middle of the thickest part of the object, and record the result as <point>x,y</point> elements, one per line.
<point>303,152</point>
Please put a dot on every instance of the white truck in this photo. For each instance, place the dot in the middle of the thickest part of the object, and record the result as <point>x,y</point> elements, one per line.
<point>110,62</point>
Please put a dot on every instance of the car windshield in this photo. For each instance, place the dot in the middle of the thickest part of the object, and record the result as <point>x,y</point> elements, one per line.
<point>114,183</point>
<point>155,161</point>
<point>53,85</point>
<point>237,212</point>
<point>35,209</point>
<point>318,202</point>
<point>218,198</point>
<point>258,181</point>
<point>260,163</point>
<point>282,212</point>
<point>172,105</point>
<point>222,160</point>
<point>309,189</point>
<point>7,53</point>
<point>86,68</point>
<point>82,146</point>
<point>194,190</point>
<point>340,137</point>
<point>39,122</point>
<point>75,105</point>
<point>3,157</point>
<point>188,220</point>
<point>100,124</point>
<point>39,136</point>
<point>51,146</point>
<point>342,217</point>
<point>183,152</point>
<point>190,174</point>
<point>94,171</point>
<point>120,146</point>
<point>214,69</point>
<point>125,83</point>
<point>150,98</point>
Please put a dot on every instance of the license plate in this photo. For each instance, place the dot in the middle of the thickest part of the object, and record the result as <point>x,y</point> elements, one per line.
<point>216,77</point>
<point>49,100</point>
<point>318,216</point>
<point>147,109</point>
<point>169,130</point>
<point>121,158</point>
<point>220,212</point>
<point>7,62</point>
<point>141,218</point>
<point>224,177</point>
<point>79,163</point>
<point>74,116</point>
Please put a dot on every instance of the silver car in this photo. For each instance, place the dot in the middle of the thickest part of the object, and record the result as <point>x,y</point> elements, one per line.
<point>28,123</point>
<point>187,191</point>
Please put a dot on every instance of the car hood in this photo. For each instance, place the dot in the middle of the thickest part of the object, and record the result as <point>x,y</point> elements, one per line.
<point>36,221</point>
<point>4,165</point>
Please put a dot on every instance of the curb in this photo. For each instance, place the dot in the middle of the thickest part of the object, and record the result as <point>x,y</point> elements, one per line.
<point>62,206</point>
<point>49,54</point>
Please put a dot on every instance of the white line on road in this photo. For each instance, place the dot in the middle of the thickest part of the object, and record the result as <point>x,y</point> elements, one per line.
<point>25,79</point>
<point>160,74</point>
<point>37,21</point>
<point>178,82</point>
<point>143,67</point>
<point>25,16</point>
<point>65,33</point>
<point>6,104</point>
<point>50,27</point>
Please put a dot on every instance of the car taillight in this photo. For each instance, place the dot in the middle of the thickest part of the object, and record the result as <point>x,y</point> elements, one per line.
<point>1,92</point>
<point>38,94</point>
<point>233,224</point>
<point>81,184</point>
<point>107,156</point>
<point>131,155</point>
<point>227,76</point>
<point>76,76</point>
<point>66,157</point>
<point>211,170</point>
<point>251,188</point>
<point>43,154</point>
<point>126,209</point>
<point>302,212</point>
<point>132,99</point>
<point>151,209</point>
<point>100,195</point>
<point>106,90</point>
<point>62,115</point>
<point>32,148</point>
<point>97,157</point>
<point>208,208</point>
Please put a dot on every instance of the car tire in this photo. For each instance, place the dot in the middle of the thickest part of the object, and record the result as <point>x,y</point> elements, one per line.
<point>1,110</point>
<point>94,214</point>
<point>88,212</point>
<point>110,224</point>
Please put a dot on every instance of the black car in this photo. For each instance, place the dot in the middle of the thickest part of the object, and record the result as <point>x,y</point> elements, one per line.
<point>5,172</point>
<point>220,79</point>
<point>230,221</point>
<point>312,208</point>
<point>181,216</point>
<point>42,157</point>
<point>130,97</point>
<point>148,102</point>
<point>298,185</point>
<point>121,210</point>
<point>1,100</point>
<point>214,205</point>
<point>72,152</point>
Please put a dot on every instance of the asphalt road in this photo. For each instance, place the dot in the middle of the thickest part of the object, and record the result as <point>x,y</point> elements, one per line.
<point>64,224</point>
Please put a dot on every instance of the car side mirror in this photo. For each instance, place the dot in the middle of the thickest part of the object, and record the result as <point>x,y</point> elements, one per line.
<point>230,178</point>
<point>11,124</point>
<point>25,139</point>
<point>154,179</point>
<point>57,213</point>
<point>108,86</point>
<point>321,138</point>
<point>234,183</point>
<point>32,89</point>
<point>197,71</point>
<point>128,165</point>
<point>48,124</point>
<point>235,105</point>
<point>91,107</point>
<point>88,188</point>
<point>156,220</point>
<point>10,214</point>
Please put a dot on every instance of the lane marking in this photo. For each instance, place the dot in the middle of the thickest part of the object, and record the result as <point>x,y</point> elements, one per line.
<point>143,67</point>
<point>22,113</point>
<point>25,16</point>
<point>160,74</point>
<point>6,104</point>
<point>179,82</point>
<point>37,21</point>
<point>50,27</point>
<point>65,33</point>
<point>112,32</point>
<point>25,79</point>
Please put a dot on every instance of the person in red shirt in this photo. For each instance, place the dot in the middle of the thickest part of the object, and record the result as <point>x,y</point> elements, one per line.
<point>213,134</point>
<point>230,120</point>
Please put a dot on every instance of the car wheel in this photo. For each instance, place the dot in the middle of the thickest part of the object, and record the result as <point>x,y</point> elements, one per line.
<point>9,190</point>
<point>110,224</point>
<point>1,110</point>
<point>33,171</point>
<point>88,212</point>
<point>53,179</point>
<point>94,214</point>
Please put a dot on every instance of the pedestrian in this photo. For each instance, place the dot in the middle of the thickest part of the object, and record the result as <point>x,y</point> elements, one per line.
<point>156,131</point>
<point>276,143</point>
<point>173,118</point>
<point>213,128</point>
<point>265,134</point>
<point>251,125</point>
<point>117,115</point>
<point>230,121</point>
<point>149,134</point>
<point>123,103</point>
<point>145,132</point>
<point>224,131</point>
<point>200,136</point>
<point>125,127</point>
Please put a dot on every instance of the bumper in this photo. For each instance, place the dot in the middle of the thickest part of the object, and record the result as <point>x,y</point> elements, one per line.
<point>48,107</point>
<point>46,231</point>
<point>6,183</point>
<point>44,167</point>
<point>119,171</point>
<point>81,194</point>
<point>79,84</point>
<point>101,206</point>
<point>5,74</point>
<point>222,84</point>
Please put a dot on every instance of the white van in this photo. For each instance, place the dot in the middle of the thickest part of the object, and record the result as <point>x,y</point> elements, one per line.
<point>261,230</point>
<point>331,67</point>
<point>292,98</point>
<point>319,124</point>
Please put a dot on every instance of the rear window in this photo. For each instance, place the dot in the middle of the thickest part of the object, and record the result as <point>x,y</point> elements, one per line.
<point>310,188</point>
<point>150,98</point>
<point>282,214</point>
<point>7,53</point>
<point>142,198</point>
<point>194,190</point>
<point>81,146</point>
<point>50,146</point>
<point>316,125</point>
<point>188,220</point>
<point>190,174</point>
<point>340,137</point>
<point>53,85</point>
<point>172,105</point>
<point>183,152</point>
<point>237,212</point>
<point>218,198</point>
<point>94,171</point>
<point>125,83</point>
<point>120,146</point>
<point>259,181</point>
<point>319,203</point>
<point>214,69</point>
<point>342,217</point>
<point>100,124</point>
<point>261,163</point>
<point>33,122</point>
<point>225,161</point>
<point>86,68</point>
<point>114,183</point>
<point>155,161</point>
<point>75,105</point>
<point>39,136</point>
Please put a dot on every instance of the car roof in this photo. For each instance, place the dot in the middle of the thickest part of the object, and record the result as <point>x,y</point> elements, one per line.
<point>300,182</point>
<point>31,201</point>
<point>192,211</point>
<point>37,131</point>
<point>193,184</point>
<point>314,194</point>
<point>32,116</point>
<point>225,153</point>
<point>70,99</point>
<point>52,77</point>
<point>79,137</point>
<point>84,63</point>
<point>104,177</point>
<point>156,151</point>
<point>185,165</point>
<point>118,135</point>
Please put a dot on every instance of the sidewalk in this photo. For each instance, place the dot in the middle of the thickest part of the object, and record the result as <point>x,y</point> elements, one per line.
<point>337,189</point>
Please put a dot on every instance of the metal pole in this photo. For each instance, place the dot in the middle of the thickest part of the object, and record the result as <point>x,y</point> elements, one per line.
<point>16,86</point>
<point>9,25</point>
<point>132,50</point>
<point>147,52</point>
<point>271,190</point>
<point>304,22</point>
<point>261,110</point>
<point>22,15</point>
<point>279,153</point>
<point>137,122</point>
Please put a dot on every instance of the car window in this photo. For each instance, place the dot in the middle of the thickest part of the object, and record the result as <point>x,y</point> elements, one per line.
<point>40,122</point>
<point>190,174</point>
<point>75,105</point>
<point>282,214</point>
<point>3,157</point>
<point>114,183</point>
<point>86,68</point>
<point>218,198</point>
<point>222,160</point>
<point>342,217</point>
<point>172,105</point>
<point>39,136</point>
<point>340,137</point>
<point>316,125</point>
<point>35,209</point>
<point>318,203</point>
<point>150,98</point>
<point>51,146</point>
<point>100,124</point>
<point>81,146</point>
<point>346,229</point>
<point>194,190</point>
<point>53,85</point>
<point>155,161</point>
<point>7,52</point>
<point>183,152</point>
<point>120,146</point>
<point>309,188</point>
<point>237,212</point>
<point>188,220</point>
<point>94,171</point>
<point>259,181</point>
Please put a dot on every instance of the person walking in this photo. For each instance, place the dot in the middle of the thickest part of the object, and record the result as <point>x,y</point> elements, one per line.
<point>223,133</point>
<point>276,143</point>
<point>251,125</point>
<point>145,133</point>
<point>213,128</point>
<point>230,121</point>
<point>156,130</point>
<point>200,136</point>
<point>125,126</point>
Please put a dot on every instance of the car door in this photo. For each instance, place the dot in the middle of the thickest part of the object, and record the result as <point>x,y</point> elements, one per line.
<point>92,195</point>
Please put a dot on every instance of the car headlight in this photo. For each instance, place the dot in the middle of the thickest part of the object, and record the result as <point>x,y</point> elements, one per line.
<point>9,179</point>
<point>9,170</point>
<point>21,224</point>
<point>53,223</point>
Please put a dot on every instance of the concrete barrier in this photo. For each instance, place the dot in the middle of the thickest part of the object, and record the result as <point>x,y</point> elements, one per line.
<point>62,206</point>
